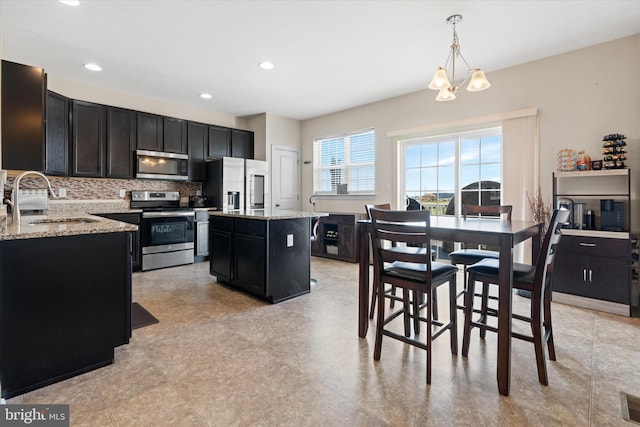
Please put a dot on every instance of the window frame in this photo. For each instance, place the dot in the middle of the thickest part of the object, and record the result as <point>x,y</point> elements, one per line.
<point>346,166</point>
<point>485,131</point>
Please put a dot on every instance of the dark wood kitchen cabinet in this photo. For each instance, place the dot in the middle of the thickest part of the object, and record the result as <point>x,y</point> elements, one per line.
<point>174,135</point>
<point>121,142</point>
<point>219,142</point>
<point>66,316</point>
<point>593,267</point>
<point>197,141</point>
<point>57,135</point>
<point>242,144</point>
<point>338,237</point>
<point>159,133</point>
<point>88,139</point>
<point>23,112</point>
<point>266,257</point>
<point>136,249</point>
<point>150,131</point>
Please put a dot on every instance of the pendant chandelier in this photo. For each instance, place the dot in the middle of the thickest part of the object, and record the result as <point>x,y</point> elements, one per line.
<point>446,86</point>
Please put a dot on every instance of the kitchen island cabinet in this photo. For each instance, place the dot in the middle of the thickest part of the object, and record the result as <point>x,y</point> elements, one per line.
<point>267,255</point>
<point>65,300</point>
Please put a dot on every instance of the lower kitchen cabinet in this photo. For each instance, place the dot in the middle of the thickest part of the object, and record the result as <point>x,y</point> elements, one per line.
<point>130,218</point>
<point>593,267</point>
<point>66,316</point>
<point>338,237</point>
<point>269,258</point>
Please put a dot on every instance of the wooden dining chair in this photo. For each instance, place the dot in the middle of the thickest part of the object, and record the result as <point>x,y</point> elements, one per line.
<point>392,289</point>
<point>374,295</point>
<point>469,256</point>
<point>396,262</point>
<point>533,278</point>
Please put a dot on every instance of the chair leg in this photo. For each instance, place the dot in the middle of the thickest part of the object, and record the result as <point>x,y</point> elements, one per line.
<point>416,299</point>
<point>374,298</point>
<point>548,329</point>
<point>429,340</point>
<point>453,315</point>
<point>484,308</point>
<point>538,339</point>
<point>379,323</point>
<point>434,304</point>
<point>406,302</point>
<point>393,292</point>
<point>468,312</point>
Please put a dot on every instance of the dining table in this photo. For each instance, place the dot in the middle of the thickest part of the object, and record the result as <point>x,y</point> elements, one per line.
<point>485,231</point>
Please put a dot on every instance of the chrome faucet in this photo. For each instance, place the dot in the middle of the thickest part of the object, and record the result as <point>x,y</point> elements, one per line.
<point>14,203</point>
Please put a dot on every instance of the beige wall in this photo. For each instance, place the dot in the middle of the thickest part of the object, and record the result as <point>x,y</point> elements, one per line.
<point>274,131</point>
<point>580,97</point>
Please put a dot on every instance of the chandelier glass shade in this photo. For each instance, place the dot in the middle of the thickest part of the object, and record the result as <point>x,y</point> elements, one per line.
<point>445,83</point>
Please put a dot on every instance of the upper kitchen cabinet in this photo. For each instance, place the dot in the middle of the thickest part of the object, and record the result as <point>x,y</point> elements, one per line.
<point>219,141</point>
<point>121,142</point>
<point>57,131</point>
<point>23,111</point>
<point>88,139</point>
<point>241,144</point>
<point>150,132</point>
<point>158,133</point>
<point>175,135</point>
<point>197,137</point>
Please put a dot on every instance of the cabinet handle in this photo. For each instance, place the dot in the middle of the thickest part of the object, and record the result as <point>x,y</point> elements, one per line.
<point>590,245</point>
<point>584,274</point>
<point>590,275</point>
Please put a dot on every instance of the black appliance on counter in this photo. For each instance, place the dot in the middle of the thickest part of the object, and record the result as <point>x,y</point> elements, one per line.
<point>166,229</point>
<point>198,201</point>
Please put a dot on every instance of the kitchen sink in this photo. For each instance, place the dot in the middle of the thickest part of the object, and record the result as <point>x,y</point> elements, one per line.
<point>62,221</point>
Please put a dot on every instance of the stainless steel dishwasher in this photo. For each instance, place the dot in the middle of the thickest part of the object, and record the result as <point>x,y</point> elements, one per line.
<point>202,232</point>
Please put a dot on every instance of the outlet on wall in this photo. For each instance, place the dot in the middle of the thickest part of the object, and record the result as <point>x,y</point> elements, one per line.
<point>122,193</point>
<point>62,192</point>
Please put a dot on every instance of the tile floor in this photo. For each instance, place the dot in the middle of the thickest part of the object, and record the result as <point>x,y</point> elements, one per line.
<point>219,357</point>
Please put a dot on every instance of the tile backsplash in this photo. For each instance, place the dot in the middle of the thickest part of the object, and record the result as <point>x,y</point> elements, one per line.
<point>101,188</point>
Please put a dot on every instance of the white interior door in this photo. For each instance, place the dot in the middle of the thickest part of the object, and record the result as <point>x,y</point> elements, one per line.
<point>285,178</point>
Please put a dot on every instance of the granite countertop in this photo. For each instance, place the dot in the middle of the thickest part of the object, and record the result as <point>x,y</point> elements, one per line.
<point>39,226</point>
<point>265,214</point>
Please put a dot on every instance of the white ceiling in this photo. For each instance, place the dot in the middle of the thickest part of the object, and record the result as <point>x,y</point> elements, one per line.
<point>328,55</point>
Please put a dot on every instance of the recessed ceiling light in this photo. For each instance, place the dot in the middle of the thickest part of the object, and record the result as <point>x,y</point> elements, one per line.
<point>205,96</point>
<point>93,67</point>
<point>70,2</point>
<point>266,65</point>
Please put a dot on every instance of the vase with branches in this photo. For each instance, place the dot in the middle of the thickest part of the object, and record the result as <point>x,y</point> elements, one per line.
<point>541,212</point>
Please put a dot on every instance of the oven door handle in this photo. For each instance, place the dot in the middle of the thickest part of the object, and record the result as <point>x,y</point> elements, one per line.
<point>166,214</point>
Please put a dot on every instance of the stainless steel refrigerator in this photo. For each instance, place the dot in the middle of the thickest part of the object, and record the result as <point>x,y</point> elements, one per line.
<point>235,184</point>
<point>224,186</point>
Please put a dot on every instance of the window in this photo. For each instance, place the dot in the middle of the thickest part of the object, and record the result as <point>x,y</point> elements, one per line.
<point>345,164</point>
<point>442,169</point>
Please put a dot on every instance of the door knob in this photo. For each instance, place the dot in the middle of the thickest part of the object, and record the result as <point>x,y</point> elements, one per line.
<point>277,205</point>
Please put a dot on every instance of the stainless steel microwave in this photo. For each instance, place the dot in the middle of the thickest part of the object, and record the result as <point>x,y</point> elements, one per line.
<point>158,165</point>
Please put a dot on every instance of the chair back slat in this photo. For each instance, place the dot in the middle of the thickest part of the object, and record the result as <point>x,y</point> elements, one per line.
<point>399,235</point>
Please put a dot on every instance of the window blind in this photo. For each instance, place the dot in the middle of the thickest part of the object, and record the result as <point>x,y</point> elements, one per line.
<point>344,164</point>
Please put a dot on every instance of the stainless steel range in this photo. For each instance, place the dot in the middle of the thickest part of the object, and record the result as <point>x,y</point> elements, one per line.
<point>166,229</point>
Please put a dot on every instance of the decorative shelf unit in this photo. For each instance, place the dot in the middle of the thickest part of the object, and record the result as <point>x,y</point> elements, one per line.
<point>593,266</point>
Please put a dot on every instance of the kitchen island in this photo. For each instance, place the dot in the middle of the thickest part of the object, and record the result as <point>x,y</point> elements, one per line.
<point>263,253</point>
<point>65,298</point>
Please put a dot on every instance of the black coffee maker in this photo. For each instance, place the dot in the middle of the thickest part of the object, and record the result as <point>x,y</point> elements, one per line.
<point>611,215</point>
